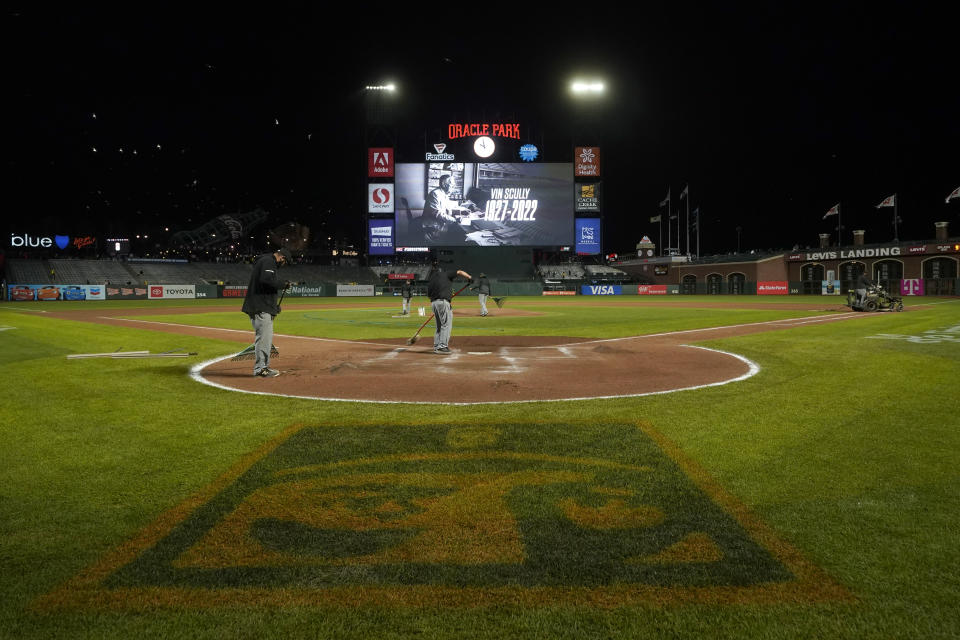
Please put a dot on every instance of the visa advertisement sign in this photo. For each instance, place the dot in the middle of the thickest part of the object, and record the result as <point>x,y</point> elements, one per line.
<point>381,237</point>
<point>601,290</point>
<point>587,232</point>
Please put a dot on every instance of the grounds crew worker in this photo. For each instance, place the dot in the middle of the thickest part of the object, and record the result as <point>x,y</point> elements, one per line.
<point>440,291</point>
<point>406,292</point>
<point>261,305</point>
<point>483,292</point>
<point>863,283</point>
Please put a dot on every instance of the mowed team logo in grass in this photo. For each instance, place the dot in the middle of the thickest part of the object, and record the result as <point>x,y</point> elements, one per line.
<point>456,516</point>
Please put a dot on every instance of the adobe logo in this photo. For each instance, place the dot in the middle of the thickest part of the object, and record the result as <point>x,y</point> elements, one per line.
<point>380,162</point>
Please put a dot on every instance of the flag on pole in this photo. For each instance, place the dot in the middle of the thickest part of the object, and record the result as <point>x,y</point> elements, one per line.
<point>655,219</point>
<point>834,210</point>
<point>666,200</point>
<point>673,218</point>
<point>696,219</point>
<point>955,194</point>
<point>889,201</point>
<point>685,192</point>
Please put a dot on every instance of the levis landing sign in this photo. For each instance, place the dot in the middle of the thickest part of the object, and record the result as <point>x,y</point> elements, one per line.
<point>844,254</point>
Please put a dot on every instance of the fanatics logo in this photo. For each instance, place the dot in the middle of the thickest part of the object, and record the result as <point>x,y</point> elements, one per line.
<point>440,156</point>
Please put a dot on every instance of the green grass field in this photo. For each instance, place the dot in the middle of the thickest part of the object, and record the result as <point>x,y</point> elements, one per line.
<point>817,499</point>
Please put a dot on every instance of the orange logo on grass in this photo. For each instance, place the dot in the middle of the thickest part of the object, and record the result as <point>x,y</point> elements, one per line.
<point>461,516</point>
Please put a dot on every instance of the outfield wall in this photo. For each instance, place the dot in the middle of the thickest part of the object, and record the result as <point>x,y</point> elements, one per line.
<point>713,286</point>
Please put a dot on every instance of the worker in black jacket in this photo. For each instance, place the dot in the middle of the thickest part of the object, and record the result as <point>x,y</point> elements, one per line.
<point>261,305</point>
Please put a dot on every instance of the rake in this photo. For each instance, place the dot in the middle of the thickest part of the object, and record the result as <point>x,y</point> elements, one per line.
<point>249,353</point>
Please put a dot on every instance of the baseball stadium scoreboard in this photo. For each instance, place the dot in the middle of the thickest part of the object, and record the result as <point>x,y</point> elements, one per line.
<point>482,184</point>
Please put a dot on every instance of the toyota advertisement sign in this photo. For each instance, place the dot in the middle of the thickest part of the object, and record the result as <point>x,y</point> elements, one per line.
<point>171,291</point>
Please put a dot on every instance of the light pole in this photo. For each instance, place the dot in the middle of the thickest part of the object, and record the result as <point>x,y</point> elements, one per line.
<point>587,93</point>
<point>379,130</point>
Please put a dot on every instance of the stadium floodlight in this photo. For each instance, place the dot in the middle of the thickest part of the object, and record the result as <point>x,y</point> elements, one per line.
<point>382,87</point>
<point>584,87</point>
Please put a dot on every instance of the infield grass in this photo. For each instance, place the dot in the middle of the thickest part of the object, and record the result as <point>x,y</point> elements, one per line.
<point>845,444</point>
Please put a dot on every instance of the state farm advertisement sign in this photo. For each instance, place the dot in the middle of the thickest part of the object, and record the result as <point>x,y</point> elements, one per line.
<point>775,288</point>
<point>380,162</point>
<point>171,291</point>
<point>651,289</point>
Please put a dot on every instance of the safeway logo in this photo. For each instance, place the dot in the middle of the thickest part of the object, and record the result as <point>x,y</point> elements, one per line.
<point>381,198</point>
<point>380,162</point>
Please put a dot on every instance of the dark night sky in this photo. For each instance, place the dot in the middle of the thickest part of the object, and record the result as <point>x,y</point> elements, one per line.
<point>772,113</point>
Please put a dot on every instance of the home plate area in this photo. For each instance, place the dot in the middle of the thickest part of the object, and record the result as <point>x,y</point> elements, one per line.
<point>480,369</point>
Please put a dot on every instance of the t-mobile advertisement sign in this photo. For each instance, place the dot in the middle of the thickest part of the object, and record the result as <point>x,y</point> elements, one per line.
<point>381,237</point>
<point>588,236</point>
<point>772,289</point>
<point>911,287</point>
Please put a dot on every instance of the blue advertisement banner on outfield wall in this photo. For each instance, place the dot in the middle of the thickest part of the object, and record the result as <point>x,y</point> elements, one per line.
<point>23,292</point>
<point>601,290</point>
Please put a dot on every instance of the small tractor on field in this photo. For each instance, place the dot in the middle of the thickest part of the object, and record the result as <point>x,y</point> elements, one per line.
<point>877,299</point>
